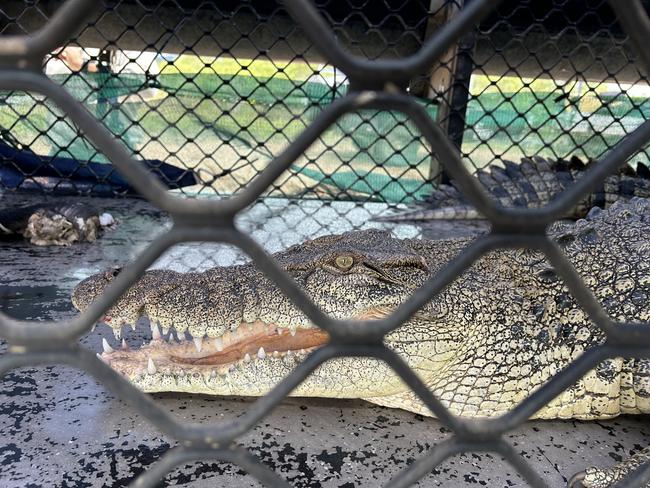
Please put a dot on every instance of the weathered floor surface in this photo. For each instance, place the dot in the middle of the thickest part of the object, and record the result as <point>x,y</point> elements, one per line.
<point>59,427</point>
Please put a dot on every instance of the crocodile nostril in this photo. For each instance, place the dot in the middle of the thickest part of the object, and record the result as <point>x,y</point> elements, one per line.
<point>112,273</point>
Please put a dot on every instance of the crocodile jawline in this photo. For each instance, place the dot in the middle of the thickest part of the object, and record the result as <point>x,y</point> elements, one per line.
<point>250,340</point>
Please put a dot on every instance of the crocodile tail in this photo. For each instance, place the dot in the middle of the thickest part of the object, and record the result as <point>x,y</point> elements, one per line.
<point>460,212</point>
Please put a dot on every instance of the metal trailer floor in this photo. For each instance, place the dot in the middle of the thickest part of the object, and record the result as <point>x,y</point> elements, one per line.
<point>59,427</point>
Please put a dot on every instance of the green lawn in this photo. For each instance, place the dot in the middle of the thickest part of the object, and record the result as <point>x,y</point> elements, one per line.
<point>259,68</point>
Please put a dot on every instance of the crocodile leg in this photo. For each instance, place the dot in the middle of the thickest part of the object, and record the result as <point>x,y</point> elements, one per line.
<point>594,477</point>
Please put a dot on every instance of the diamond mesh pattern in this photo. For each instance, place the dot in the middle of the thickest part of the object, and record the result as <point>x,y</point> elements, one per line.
<point>375,85</point>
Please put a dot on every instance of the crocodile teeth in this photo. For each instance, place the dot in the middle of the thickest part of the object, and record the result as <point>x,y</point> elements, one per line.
<point>276,354</point>
<point>117,333</point>
<point>125,346</point>
<point>293,331</point>
<point>107,347</point>
<point>218,343</point>
<point>151,367</point>
<point>198,343</point>
<point>155,332</point>
<point>260,353</point>
<point>247,358</point>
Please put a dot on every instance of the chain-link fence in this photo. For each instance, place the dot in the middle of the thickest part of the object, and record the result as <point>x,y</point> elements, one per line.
<point>208,111</point>
<point>331,101</point>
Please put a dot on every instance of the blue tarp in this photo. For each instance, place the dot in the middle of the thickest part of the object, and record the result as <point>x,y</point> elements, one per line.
<point>22,168</point>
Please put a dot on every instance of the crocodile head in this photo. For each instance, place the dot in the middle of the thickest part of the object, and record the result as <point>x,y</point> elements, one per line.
<point>246,334</point>
<point>498,332</point>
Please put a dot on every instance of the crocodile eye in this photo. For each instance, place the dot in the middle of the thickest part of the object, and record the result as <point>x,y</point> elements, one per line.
<point>344,262</point>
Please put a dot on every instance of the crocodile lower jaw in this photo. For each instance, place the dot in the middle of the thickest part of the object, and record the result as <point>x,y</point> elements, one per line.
<point>210,356</point>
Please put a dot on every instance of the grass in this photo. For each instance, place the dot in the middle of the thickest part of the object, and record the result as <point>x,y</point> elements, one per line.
<point>226,65</point>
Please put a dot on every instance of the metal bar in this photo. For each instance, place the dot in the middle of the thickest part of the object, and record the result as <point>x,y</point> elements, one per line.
<point>55,342</point>
<point>449,84</point>
<point>454,117</point>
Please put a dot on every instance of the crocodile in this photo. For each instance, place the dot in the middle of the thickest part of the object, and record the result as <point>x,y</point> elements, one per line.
<point>532,183</point>
<point>498,332</point>
<point>53,225</point>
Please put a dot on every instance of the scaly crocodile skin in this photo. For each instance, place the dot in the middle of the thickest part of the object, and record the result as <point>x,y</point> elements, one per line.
<point>493,336</point>
<point>530,184</point>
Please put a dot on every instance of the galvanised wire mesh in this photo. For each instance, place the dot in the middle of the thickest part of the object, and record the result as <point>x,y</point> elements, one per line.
<point>374,85</point>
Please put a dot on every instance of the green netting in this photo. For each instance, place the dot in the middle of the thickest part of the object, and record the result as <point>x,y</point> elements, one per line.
<point>228,128</point>
<point>525,124</point>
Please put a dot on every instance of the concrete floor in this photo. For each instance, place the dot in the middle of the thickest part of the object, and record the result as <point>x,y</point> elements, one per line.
<point>58,427</point>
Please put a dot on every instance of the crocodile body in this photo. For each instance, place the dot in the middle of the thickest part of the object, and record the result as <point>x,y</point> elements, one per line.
<point>532,183</point>
<point>486,342</point>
